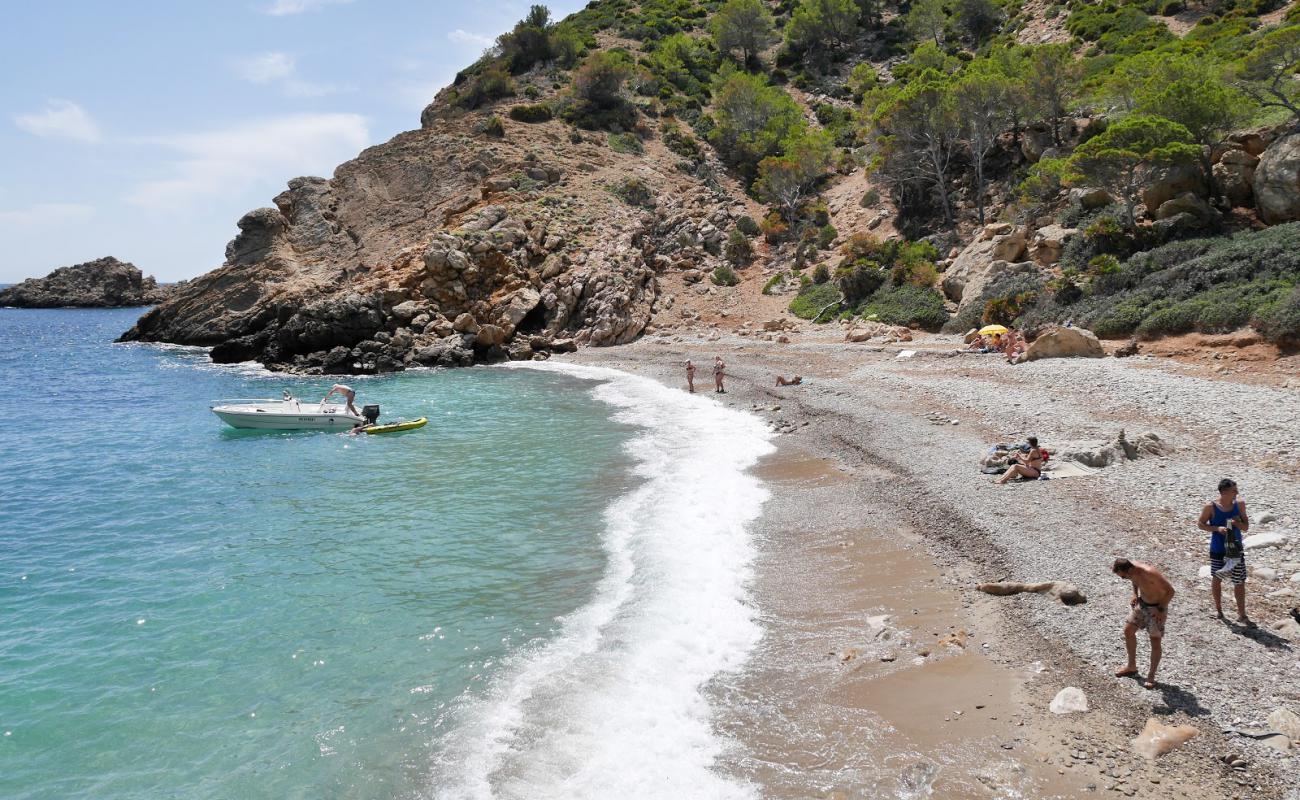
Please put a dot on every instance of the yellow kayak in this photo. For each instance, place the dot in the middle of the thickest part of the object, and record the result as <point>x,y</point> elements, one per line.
<point>398,427</point>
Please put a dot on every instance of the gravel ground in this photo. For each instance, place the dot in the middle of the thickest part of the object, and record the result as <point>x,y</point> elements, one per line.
<point>864,405</point>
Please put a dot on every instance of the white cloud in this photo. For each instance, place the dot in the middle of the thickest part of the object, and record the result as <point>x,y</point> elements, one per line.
<point>61,119</point>
<point>282,8</point>
<point>281,69</point>
<point>266,67</point>
<point>235,159</point>
<point>44,215</point>
<point>465,37</point>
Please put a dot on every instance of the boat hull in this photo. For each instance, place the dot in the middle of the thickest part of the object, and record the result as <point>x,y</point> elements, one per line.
<point>271,419</point>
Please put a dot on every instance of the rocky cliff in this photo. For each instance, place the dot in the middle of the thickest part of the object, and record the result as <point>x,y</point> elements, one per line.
<point>446,248</point>
<point>102,283</point>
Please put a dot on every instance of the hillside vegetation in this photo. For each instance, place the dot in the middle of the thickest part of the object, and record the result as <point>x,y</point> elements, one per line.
<point>958,120</point>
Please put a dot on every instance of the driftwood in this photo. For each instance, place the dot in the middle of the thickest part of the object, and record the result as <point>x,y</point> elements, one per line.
<point>1067,593</point>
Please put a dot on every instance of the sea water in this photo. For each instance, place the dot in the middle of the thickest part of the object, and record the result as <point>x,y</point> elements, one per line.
<point>526,598</point>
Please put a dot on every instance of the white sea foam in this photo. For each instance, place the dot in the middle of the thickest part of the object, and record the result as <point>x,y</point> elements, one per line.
<point>614,704</point>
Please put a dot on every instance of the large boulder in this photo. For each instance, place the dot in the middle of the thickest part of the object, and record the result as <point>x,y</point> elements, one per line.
<point>999,242</point>
<point>1035,140</point>
<point>1277,181</point>
<point>1061,342</point>
<point>102,283</point>
<point>1235,175</point>
<point>1171,181</point>
<point>1090,198</point>
<point>1188,203</point>
<point>1048,243</point>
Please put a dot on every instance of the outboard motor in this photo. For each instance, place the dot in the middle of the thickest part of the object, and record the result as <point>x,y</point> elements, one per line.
<point>371,413</point>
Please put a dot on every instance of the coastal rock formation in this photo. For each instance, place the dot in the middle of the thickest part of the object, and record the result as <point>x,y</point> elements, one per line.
<point>102,283</point>
<point>429,250</point>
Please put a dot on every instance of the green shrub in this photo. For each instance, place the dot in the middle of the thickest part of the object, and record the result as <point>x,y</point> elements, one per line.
<point>860,280</point>
<point>813,298</point>
<point>775,281</point>
<point>739,250</point>
<point>913,306</point>
<point>826,236</point>
<point>821,273</point>
<point>633,191</point>
<point>1279,320</point>
<point>870,199</point>
<point>724,275</point>
<point>625,143</point>
<point>532,113</point>
<point>747,226</point>
<point>1206,285</point>
<point>494,127</point>
<point>680,142</point>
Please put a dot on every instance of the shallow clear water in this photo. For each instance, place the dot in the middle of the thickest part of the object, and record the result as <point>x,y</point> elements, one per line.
<point>190,611</point>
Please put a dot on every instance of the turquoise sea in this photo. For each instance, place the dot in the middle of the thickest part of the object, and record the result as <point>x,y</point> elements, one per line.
<point>523,599</point>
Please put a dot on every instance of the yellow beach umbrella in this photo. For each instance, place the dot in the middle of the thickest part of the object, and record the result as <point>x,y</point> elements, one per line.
<point>989,330</point>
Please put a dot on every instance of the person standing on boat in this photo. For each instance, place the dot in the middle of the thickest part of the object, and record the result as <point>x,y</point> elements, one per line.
<point>345,392</point>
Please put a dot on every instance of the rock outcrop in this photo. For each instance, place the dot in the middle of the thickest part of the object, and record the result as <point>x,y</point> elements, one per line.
<point>430,250</point>
<point>972,268</point>
<point>1061,342</point>
<point>1276,181</point>
<point>102,283</point>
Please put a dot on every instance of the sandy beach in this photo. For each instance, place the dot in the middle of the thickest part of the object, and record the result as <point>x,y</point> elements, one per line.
<point>883,672</point>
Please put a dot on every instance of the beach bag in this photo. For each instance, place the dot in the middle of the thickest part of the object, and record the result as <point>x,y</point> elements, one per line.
<point>1232,545</point>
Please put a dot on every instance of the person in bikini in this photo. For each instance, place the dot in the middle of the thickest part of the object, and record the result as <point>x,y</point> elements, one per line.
<point>690,376</point>
<point>719,371</point>
<point>781,380</point>
<point>1150,608</point>
<point>1028,464</point>
<point>1225,520</point>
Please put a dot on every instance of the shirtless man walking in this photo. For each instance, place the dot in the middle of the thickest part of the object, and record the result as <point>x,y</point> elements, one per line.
<point>1150,604</point>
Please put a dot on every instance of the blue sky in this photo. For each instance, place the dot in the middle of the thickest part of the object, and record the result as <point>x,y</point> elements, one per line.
<point>144,129</point>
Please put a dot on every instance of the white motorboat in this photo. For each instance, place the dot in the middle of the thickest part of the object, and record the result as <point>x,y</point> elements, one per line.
<point>286,414</point>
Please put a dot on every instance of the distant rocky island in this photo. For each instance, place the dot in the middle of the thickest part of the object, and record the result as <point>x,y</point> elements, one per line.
<point>102,283</point>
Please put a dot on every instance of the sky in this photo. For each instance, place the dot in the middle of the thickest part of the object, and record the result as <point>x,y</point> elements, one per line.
<point>145,129</point>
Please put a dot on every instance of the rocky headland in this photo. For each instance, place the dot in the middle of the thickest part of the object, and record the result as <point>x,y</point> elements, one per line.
<point>102,283</point>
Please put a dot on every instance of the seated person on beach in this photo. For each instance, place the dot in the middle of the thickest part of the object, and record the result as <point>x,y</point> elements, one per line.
<point>978,345</point>
<point>1029,463</point>
<point>346,392</point>
<point>795,381</point>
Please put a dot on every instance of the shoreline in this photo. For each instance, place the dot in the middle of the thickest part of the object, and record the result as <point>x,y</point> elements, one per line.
<point>616,694</point>
<point>869,420</point>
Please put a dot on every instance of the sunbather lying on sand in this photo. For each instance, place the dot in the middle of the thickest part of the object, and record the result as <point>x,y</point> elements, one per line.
<point>1028,464</point>
<point>795,381</point>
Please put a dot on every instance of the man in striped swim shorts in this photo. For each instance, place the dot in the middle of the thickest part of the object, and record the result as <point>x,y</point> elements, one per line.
<point>1224,518</point>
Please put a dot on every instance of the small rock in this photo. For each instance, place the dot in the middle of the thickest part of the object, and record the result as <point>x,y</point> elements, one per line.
<point>1285,721</point>
<point>1070,700</point>
<point>1156,738</point>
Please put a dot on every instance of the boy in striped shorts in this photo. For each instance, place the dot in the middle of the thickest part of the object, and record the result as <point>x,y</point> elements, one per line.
<point>1225,520</point>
